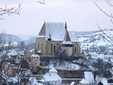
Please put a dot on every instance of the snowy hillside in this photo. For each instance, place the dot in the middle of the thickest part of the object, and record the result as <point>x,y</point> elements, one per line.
<point>97,42</point>
<point>10,37</point>
<point>27,38</point>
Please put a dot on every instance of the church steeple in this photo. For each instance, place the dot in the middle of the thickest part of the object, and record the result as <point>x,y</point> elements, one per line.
<point>65,25</point>
<point>67,37</point>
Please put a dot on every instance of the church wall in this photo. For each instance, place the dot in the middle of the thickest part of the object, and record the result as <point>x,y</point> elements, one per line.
<point>76,49</point>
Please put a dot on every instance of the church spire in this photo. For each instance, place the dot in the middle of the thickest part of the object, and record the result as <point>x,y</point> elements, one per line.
<point>65,25</point>
<point>67,37</point>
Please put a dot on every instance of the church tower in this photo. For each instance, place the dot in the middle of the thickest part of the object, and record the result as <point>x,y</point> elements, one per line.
<point>67,44</point>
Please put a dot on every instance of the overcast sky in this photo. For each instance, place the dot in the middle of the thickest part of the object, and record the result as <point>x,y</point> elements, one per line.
<point>80,15</point>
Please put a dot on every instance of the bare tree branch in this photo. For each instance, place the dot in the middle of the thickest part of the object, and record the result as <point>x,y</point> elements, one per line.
<point>109,38</point>
<point>41,2</point>
<point>109,3</point>
<point>111,21</point>
<point>9,11</point>
<point>109,15</point>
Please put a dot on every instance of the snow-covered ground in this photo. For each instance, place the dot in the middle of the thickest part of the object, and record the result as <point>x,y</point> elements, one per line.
<point>64,65</point>
<point>98,44</point>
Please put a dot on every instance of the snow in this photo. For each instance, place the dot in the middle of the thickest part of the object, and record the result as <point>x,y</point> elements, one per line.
<point>12,53</point>
<point>73,36</point>
<point>88,78</point>
<point>12,79</point>
<point>64,66</point>
<point>67,42</point>
<point>52,76</point>
<point>102,80</point>
<point>72,83</point>
<point>56,30</point>
<point>35,55</point>
<point>33,81</point>
<point>52,70</point>
<point>84,81</point>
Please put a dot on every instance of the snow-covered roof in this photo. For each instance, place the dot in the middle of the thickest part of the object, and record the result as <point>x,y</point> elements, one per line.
<point>88,78</point>
<point>56,31</point>
<point>52,70</point>
<point>84,81</point>
<point>102,80</point>
<point>51,76</point>
<point>73,36</point>
<point>35,55</point>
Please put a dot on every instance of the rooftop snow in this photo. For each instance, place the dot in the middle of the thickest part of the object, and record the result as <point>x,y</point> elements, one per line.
<point>52,76</point>
<point>73,36</point>
<point>55,31</point>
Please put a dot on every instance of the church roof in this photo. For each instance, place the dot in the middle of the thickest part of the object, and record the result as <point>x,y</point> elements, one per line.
<point>67,39</point>
<point>57,31</point>
<point>73,36</point>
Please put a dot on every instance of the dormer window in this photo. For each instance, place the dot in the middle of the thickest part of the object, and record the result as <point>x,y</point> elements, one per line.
<point>49,38</point>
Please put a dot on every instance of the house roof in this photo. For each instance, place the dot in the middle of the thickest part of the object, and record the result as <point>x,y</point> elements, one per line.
<point>56,31</point>
<point>51,75</point>
<point>52,70</point>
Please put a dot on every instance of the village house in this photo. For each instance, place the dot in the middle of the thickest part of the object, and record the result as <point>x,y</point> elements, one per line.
<point>8,69</point>
<point>52,78</point>
<point>35,60</point>
<point>55,39</point>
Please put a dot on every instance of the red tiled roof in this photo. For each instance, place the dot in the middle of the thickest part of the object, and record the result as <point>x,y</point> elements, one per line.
<point>67,37</point>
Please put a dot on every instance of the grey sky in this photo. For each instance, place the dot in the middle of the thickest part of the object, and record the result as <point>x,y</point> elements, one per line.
<point>80,15</point>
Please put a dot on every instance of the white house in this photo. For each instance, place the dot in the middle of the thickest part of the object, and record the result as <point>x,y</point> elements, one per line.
<point>52,78</point>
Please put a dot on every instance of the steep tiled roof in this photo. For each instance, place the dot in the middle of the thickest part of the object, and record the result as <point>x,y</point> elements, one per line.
<point>67,40</point>
<point>67,37</point>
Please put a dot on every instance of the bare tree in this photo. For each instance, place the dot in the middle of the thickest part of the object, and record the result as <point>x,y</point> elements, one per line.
<point>10,10</point>
<point>110,16</point>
